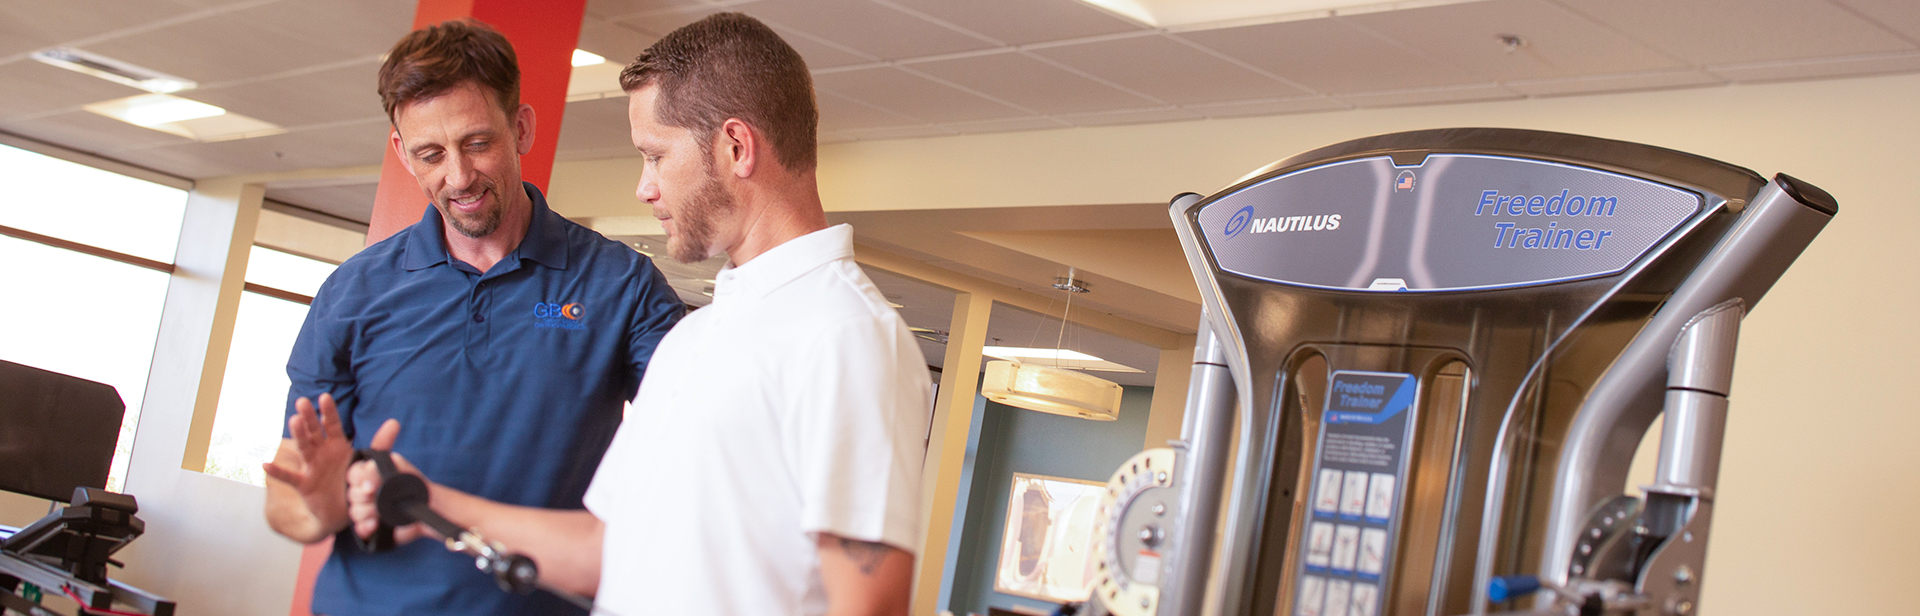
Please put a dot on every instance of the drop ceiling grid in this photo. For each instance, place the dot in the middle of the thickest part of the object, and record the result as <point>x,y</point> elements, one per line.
<point>226,46</point>
<point>1033,84</point>
<point>1714,32</point>
<point>1557,43</point>
<point>1329,56</point>
<point>1168,70</point>
<point>1902,16</point>
<point>871,29</point>
<point>1022,22</point>
<point>24,27</point>
<point>290,103</point>
<point>913,96</point>
<point>32,89</point>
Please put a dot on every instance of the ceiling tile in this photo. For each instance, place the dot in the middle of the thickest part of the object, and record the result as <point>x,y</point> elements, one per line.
<point>839,113</point>
<point>28,26</point>
<point>1586,84</point>
<point>1819,69</point>
<point>1133,116</point>
<point>1431,96</point>
<point>865,27</point>
<point>1023,80</point>
<point>614,9</point>
<point>337,146</point>
<point>290,101</point>
<point>899,91</point>
<point>32,87</point>
<point>1007,125</point>
<point>1901,16</point>
<point>353,201</point>
<point>1708,32</point>
<point>353,28</point>
<point>224,47</point>
<point>596,125</point>
<point>1021,22</point>
<point>1268,107</point>
<point>1168,69</point>
<point>658,23</point>
<point>1329,56</point>
<point>1559,43</point>
<point>616,42</point>
<point>897,132</point>
<point>818,55</point>
<point>89,132</point>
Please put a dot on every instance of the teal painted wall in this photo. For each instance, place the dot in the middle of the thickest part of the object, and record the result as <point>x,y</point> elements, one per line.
<point>1007,440</point>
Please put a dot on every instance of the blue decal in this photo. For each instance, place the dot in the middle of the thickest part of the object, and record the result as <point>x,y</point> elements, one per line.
<point>1239,221</point>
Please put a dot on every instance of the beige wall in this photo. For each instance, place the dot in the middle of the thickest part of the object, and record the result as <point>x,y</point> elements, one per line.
<point>1822,463</point>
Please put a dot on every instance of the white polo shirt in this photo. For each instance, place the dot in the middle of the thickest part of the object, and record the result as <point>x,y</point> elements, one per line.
<point>795,404</point>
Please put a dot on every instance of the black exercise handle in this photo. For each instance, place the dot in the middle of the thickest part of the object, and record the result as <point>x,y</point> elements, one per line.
<point>402,498</point>
<point>382,539</point>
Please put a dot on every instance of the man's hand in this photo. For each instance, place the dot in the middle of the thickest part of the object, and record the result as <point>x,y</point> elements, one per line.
<point>363,490</point>
<point>864,577</point>
<point>307,491</point>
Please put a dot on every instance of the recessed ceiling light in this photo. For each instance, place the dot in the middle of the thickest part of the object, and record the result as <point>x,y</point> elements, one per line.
<point>187,118</point>
<point>116,71</point>
<point>1207,14</point>
<point>582,57</point>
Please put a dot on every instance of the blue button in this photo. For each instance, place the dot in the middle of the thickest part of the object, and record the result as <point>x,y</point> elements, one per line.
<point>479,318</point>
<point>1506,587</point>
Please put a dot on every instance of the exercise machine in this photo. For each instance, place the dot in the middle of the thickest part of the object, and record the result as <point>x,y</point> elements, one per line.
<point>1424,364</point>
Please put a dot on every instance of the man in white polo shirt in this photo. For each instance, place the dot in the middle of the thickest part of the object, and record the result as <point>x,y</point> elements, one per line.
<point>772,463</point>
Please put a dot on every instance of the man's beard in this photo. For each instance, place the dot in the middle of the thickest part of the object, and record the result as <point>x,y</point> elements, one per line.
<point>693,226</point>
<point>483,223</point>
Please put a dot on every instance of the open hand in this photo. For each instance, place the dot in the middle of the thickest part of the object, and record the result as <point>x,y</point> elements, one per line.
<point>318,471</point>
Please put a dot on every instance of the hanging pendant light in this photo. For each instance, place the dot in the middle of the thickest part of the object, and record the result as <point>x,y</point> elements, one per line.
<point>1052,389</point>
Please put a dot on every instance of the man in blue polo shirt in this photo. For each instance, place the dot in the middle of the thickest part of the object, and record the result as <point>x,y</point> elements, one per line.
<point>514,333</point>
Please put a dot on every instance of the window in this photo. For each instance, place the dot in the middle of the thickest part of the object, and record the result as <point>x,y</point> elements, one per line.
<point>88,254</point>
<point>253,396</point>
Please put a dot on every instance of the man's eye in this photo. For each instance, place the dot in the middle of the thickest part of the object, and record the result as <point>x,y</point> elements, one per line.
<point>433,157</point>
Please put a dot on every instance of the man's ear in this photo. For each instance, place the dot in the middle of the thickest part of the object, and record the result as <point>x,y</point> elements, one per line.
<point>400,150</point>
<point>523,129</point>
<point>738,145</point>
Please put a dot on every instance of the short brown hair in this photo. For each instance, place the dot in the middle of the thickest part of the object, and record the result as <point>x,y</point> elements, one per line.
<point>429,61</point>
<point>730,65</point>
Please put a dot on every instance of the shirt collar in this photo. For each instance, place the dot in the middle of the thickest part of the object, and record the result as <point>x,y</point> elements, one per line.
<point>545,243</point>
<point>783,264</point>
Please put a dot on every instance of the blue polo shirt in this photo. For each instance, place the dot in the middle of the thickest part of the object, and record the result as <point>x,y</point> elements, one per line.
<point>508,384</point>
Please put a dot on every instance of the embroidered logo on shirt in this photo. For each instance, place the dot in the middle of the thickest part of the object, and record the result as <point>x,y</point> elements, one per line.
<point>561,316</point>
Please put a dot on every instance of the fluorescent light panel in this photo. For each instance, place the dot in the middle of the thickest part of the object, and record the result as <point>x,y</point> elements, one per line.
<point>1206,14</point>
<point>187,118</point>
<point>582,57</point>
<point>1066,358</point>
<point>117,71</point>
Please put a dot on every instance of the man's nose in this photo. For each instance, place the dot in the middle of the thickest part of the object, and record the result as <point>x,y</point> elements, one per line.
<point>648,191</point>
<point>460,172</point>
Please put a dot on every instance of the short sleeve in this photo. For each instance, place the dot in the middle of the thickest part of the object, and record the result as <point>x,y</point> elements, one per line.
<point>655,312</point>
<point>321,361</point>
<point>858,443</point>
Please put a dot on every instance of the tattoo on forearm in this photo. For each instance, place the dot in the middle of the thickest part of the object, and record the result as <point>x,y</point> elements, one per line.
<point>867,554</point>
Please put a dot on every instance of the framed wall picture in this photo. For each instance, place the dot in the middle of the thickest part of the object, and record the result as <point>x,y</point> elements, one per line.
<point>1046,553</point>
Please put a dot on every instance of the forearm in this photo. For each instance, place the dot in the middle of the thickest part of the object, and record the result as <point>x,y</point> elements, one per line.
<point>565,543</point>
<point>864,578</point>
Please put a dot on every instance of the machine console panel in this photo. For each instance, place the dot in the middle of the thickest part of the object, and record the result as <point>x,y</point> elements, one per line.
<point>1453,222</point>
<point>1359,482</point>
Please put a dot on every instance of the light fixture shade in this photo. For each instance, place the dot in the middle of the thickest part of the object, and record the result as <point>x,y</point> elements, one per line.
<point>1051,390</point>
